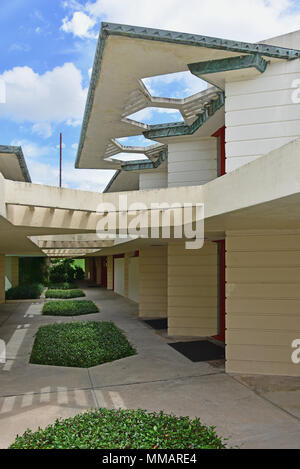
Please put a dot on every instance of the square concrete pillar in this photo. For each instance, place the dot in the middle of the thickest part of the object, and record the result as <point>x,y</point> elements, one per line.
<point>192,290</point>
<point>110,272</point>
<point>98,268</point>
<point>126,265</point>
<point>153,284</point>
<point>2,278</point>
<point>262,302</point>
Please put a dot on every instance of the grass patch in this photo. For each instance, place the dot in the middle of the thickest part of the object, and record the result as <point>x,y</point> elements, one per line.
<point>62,286</point>
<point>64,293</point>
<point>80,345</point>
<point>25,292</point>
<point>69,308</point>
<point>122,429</point>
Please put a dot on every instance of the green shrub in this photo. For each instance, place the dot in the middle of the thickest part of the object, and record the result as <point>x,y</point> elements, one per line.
<point>33,270</point>
<point>62,286</point>
<point>61,270</point>
<point>69,308</point>
<point>64,293</point>
<point>79,344</point>
<point>79,273</point>
<point>122,429</point>
<point>25,292</point>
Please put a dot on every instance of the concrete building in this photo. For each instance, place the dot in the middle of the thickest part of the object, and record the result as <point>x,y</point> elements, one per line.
<point>236,151</point>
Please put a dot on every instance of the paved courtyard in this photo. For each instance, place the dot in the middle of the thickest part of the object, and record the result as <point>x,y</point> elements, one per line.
<point>252,412</point>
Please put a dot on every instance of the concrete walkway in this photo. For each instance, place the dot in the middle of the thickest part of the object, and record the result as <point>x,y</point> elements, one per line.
<point>251,413</point>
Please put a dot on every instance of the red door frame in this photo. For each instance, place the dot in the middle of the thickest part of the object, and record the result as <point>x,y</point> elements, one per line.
<point>220,134</point>
<point>222,291</point>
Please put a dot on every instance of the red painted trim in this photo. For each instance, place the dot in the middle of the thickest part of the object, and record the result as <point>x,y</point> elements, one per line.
<point>220,133</point>
<point>222,291</point>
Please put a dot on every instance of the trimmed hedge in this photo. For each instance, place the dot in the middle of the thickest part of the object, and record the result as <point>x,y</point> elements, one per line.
<point>69,308</point>
<point>64,293</point>
<point>62,286</point>
<point>122,429</point>
<point>25,292</point>
<point>80,344</point>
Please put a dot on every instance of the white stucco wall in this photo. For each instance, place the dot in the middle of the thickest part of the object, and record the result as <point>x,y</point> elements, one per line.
<point>192,163</point>
<point>153,180</point>
<point>260,114</point>
<point>119,276</point>
<point>134,278</point>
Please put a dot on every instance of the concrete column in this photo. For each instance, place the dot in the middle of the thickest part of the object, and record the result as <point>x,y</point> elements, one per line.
<point>15,271</point>
<point>2,278</point>
<point>110,272</point>
<point>126,264</point>
<point>153,282</point>
<point>262,301</point>
<point>98,266</point>
<point>193,290</point>
<point>86,268</point>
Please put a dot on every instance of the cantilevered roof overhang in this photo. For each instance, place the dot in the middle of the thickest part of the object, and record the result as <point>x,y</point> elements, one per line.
<point>127,54</point>
<point>12,164</point>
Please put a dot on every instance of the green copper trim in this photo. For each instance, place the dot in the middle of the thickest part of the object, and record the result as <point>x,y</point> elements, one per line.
<point>143,164</point>
<point>171,37</point>
<point>228,64</point>
<point>178,129</point>
<point>19,154</point>
<point>199,41</point>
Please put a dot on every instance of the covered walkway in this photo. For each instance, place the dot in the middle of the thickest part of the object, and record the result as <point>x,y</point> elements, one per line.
<point>157,378</point>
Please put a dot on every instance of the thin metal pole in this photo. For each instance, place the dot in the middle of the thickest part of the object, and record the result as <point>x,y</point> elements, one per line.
<point>60,160</point>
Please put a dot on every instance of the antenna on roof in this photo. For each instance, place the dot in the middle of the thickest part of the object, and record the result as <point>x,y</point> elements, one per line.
<point>60,159</point>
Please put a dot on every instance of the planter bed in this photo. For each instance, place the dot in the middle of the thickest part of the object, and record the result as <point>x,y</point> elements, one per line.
<point>69,308</point>
<point>64,294</point>
<point>80,344</point>
<point>122,429</point>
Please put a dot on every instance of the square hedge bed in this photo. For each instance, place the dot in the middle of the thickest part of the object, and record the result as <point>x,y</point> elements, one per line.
<point>25,292</point>
<point>69,308</point>
<point>80,344</point>
<point>64,294</point>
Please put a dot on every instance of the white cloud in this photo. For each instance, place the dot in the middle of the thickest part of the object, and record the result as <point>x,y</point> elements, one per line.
<point>46,173</point>
<point>32,150</point>
<point>74,122</point>
<point>43,129</point>
<point>80,25</point>
<point>248,20</point>
<point>55,96</point>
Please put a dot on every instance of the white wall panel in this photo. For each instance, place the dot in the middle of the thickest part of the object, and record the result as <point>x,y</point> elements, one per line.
<point>192,163</point>
<point>261,113</point>
<point>134,278</point>
<point>119,276</point>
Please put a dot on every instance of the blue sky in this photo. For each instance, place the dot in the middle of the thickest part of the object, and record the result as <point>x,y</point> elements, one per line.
<point>47,51</point>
